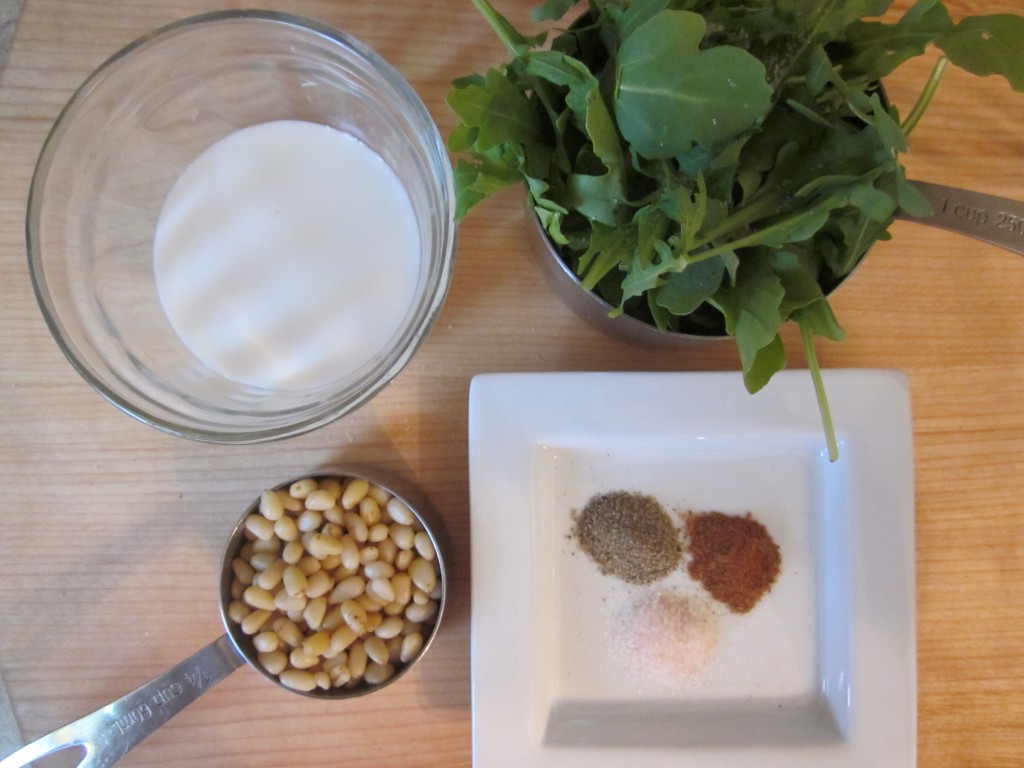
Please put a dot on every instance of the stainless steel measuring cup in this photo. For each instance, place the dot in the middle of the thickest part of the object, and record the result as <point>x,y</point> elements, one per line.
<point>108,733</point>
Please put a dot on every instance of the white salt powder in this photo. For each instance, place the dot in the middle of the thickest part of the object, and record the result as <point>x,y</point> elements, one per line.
<point>665,636</point>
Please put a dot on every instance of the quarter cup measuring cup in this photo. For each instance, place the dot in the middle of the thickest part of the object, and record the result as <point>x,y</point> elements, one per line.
<point>108,733</point>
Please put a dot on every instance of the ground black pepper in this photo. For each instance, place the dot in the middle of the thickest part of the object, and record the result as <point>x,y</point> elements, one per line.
<point>734,557</point>
<point>629,536</point>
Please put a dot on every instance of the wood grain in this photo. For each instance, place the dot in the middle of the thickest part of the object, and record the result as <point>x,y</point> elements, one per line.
<point>110,533</point>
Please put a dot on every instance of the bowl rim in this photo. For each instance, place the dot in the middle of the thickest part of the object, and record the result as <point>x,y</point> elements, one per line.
<point>322,414</point>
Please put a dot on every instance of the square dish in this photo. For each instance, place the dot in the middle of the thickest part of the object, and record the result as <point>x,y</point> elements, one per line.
<point>566,672</point>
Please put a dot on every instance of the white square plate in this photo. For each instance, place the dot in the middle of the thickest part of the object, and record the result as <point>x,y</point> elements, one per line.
<point>822,672</point>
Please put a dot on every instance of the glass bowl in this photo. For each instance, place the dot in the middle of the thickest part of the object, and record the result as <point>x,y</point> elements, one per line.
<point>122,142</point>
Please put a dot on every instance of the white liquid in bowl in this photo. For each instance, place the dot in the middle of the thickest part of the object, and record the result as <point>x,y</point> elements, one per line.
<point>287,255</point>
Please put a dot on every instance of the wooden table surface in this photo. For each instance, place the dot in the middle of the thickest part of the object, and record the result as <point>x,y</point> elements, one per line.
<point>110,532</point>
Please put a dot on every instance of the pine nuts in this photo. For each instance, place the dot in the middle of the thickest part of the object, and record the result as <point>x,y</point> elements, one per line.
<point>423,545</point>
<point>271,506</point>
<point>295,581</point>
<point>348,589</point>
<point>411,645</point>
<point>301,489</point>
<point>274,662</point>
<point>399,512</point>
<point>252,623</point>
<point>297,679</point>
<point>423,574</point>
<point>237,610</point>
<point>258,597</point>
<point>265,642</point>
<point>259,526</point>
<point>336,583</point>
<point>320,500</point>
<point>390,627</point>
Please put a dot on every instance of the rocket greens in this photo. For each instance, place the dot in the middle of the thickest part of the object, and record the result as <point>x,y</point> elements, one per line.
<point>714,166</point>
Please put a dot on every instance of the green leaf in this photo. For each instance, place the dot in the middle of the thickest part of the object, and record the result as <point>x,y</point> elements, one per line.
<point>551,223</point>
<point>603,134</point>
<point>682,292</point>
<point>476,181</point>
<point>830,18</point>
<point>671,94</point>
<point>627,18</point>
<point>843,151</point>
<point>563,70</point>
<point>646,272</point>
<point>767,361</point>
<point>877,205</point>
<point>608,247</point>
<point>751,307</point>
<point>820,320</point>
<point>858,234</point>
<point>911,199</point>
<point>798,274</point>
<point>498,110</point>
<point>551,10</point>
<point>599,198</point>
<point>583,97</point>
<point>652,226</point>
<point>857,191</point>
<point>988,45</point>
<point>889,131</point>
<point>461,138</point>
<point>692,213</point>
<point>883,47</point>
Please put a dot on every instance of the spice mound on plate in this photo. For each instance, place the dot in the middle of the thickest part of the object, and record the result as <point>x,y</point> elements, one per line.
<point>734,557</point>
<point>629,536</point>
<point>665,636</point>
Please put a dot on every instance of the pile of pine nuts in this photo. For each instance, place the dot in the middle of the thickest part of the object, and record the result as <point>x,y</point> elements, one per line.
<point>336,584</point>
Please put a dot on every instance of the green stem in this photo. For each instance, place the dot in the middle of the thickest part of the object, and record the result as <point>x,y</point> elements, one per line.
<point>756,208</point>
<point>926,96</point>
<point>806,335</point>
<point>755,238</point>
<point>505,31</point>
<point>519,47</point>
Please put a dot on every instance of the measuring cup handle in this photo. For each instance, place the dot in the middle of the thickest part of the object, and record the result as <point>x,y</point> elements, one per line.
<point>991,219</point>
<point>108,733</point>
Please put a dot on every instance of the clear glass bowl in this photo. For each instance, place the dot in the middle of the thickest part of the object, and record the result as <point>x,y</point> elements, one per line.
<point>121,143</point>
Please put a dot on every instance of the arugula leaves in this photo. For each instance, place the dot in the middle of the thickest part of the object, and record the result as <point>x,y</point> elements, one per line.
<point>673,96</point>
<point>714,166</point>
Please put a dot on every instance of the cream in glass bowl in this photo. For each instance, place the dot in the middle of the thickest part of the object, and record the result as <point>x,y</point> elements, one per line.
<point>241,226</point>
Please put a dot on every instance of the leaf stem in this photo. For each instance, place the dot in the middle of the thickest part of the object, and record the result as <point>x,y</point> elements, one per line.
<point>754,209</point>
<point>806,335</point>
<point>926,96</point>
<point>758,237</point>
<point>505,31</point>
<point>519,46</point>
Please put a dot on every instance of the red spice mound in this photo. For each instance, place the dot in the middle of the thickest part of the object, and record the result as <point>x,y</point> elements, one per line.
<point>734,557</point>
